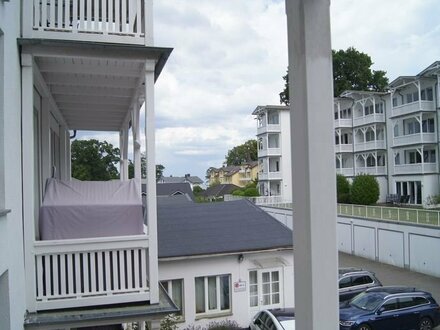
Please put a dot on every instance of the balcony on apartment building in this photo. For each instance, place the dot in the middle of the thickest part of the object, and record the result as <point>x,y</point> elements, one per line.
<point>418,138</point>
<point>343,123</point>
<point>267,152</point>
<point>346,171</point>
<point>411,97</point>
<point>340,148</point>
<point>267,176</point>
<point>372,170</point>
<point>417,106</point>
<point>369,145</point>
<point>116,21</point>
<point>418,168</point>
<point>369,119</point>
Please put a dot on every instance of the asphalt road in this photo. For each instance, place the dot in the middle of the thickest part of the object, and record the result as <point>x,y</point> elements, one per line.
<point>390,275</point>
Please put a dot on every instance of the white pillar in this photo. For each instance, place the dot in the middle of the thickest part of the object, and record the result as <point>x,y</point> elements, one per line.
<point>27,133</point>
<point>313,166</point>
<point>150,142</point>
<point>137,144</point>
<point>148,22</point>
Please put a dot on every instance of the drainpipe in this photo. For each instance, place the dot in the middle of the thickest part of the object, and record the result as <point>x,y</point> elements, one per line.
<point>74,134</point>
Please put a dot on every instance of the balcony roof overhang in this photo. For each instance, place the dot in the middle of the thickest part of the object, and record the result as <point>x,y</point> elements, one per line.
<point>94,85</point>
<point>263,108</point>
<point>101,315</point>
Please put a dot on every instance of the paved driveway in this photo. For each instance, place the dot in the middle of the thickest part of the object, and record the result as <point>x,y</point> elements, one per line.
<point>390,275</point>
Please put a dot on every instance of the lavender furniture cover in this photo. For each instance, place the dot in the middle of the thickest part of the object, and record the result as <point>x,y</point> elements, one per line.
<point>84,209</point>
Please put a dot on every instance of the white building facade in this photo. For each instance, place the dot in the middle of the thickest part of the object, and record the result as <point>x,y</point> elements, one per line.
<point>84,66</point>
<point>392,136</point>
<point>273,138</point>
<point>230,287</point>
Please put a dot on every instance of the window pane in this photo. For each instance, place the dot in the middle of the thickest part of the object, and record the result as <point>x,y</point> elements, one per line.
<point>200,294</point>
<point>266,277</point>
<point>165,285</point>
<point>266,288</point>
<point>253,277</point>
<point>177,294</point>
<point>212,292</point>
<point>276,298</point>
<point>275,276</point>
<point>266,299</point>
<point>276,287</point>
<point>224,293</point>
<point>253,301</point>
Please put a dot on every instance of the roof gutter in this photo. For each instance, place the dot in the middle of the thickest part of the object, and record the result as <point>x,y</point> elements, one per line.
<point>201,256</point>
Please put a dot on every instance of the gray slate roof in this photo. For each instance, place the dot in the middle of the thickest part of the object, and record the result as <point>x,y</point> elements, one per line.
<point>180,179</point>
<point>170,189</point>
<point>191,229</point>
<point>220,190</point>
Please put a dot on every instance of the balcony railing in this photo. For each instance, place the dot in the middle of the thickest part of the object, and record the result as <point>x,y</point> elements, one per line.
<point>269,152</point>
<point>415,139</point>
<point>116,21</point>
<point>343,122</point>
<point>343,148</point>
<point>347,171</point>
<point>270,128</point>
<point>369,119</point>
<point>417,106</point>
<point>376,170</point>
<point>91,271</point>
<point>415,168</point>
<point>370,145</point>
<point>270,176</point>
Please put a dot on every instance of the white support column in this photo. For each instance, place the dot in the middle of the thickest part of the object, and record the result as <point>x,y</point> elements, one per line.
<point>150,142</point>
<point>123,145</point>
<point>137,144</point>
<point>27,133</point>
<point>64,139</point>
<point>46,163</point>
<point>419,90</point>
<point>148,23</point>
<point>68,156</point>
<point>314,186</point>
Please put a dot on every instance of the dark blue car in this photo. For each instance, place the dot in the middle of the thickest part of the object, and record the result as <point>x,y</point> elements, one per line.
<point>390,308</point>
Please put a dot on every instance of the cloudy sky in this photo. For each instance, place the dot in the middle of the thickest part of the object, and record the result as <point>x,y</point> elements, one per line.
<point>230,55</point>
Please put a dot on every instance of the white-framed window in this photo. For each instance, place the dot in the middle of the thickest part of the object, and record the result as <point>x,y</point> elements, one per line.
<point>213,294</point>
<point>174,288</point>
<point>265,288</point>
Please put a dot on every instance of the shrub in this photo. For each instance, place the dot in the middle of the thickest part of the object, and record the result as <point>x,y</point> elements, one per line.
<point>251,192</point>
<point>342,189</point>
<point>223,325</point>
<point>364,190</point>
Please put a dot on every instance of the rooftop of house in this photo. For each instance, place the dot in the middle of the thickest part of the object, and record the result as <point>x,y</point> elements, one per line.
<point>180,179</point>
<point>171,189</point>
<point>220,190</point>
<point>263,108</point>
<point>199,229</point>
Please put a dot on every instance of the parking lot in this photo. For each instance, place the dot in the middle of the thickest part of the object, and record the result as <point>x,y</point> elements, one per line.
<point>390,275</point>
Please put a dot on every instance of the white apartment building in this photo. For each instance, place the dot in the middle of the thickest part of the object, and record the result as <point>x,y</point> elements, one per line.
<point>274,161</point>
<point>66,66</point>
<point>393,136</point>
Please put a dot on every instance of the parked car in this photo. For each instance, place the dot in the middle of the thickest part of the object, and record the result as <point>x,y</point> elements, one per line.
<point>274,319</point>
<point>387,308</point>
<point>353,281</point>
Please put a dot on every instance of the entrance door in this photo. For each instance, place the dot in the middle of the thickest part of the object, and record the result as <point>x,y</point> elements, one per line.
<point>265,289</point>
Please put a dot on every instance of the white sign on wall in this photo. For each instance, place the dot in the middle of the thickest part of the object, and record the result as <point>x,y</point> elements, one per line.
<point>240,286</point>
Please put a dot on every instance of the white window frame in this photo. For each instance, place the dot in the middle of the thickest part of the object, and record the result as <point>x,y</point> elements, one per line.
<point>169,290</point>
<point>260,300</point>
<point>218,309</point>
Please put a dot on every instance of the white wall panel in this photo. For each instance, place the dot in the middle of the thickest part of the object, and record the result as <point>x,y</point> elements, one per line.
<point>364,242</point>
<point>344,237</point>
<point>424,254</point>
<point>390,247</point>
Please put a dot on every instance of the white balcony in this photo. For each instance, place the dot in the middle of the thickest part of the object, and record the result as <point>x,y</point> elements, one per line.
<point>269,152</point>
<point>91,271</point>
<point>412,107</point>
<point>270,128</point>
<point>370,145</point>
<point>346,171</point>
<point>370,119</point>
<point>376,170</point>
<point>345,122</point>
<point>265,176</point>
<point>415,139</point>
<point>117,21</point>
<point>343,148</point>
<point>415,168</point>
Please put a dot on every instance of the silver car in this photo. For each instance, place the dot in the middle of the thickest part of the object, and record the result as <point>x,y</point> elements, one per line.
<point>274,319</point>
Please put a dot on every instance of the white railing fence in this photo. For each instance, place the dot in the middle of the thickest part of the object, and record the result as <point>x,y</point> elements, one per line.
<point>82,272</point>
<point>103,19</point>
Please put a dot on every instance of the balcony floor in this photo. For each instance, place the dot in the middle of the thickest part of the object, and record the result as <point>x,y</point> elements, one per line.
<point>101,315</point>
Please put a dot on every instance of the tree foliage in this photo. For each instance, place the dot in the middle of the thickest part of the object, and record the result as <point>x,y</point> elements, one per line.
<point>351,71</point>
<point>242,153</point>
<point>250,190</point>
<point>93,160</point>
<point>342,189</point>
<point>364,190</point>
<point>159,168</point>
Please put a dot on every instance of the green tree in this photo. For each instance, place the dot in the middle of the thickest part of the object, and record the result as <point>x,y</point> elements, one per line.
<point>93,160</point>
<point>197,190</point>
<point>242,153</point>
<point>159,168</point>
<point>351,71</point>
<point>364,190</point>
<point>342,189</point>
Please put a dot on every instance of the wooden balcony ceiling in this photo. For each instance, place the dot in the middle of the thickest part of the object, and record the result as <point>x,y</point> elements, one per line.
<point>94,85</point>
<point>92,93</point>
